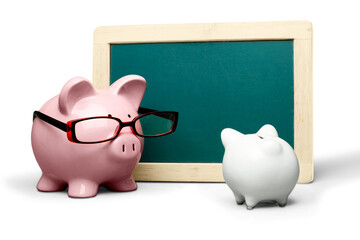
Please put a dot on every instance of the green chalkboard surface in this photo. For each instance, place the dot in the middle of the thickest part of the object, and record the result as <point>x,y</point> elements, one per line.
<point>213,85</point>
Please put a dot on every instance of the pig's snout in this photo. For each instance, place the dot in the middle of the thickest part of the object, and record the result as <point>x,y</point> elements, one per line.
<point>126,146</point>
<point>131,146</point>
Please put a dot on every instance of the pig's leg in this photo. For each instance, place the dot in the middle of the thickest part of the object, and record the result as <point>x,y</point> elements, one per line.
<point>251,203</point>
<point>128,184</point>
<point>82,188</point>
<point>282,202</point>
<point>48,184</point>
<point>239,198</point>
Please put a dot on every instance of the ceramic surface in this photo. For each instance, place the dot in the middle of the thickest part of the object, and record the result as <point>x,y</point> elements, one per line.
<point>259,167</point>
<point>83,167</point>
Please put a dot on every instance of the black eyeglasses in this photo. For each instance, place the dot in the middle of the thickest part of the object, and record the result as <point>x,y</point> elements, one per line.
<point>150,123</point>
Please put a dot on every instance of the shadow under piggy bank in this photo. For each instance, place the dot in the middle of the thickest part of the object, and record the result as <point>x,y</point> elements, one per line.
<point>329,172</point>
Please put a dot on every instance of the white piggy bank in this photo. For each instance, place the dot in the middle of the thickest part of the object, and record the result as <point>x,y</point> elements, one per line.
<point>259,167</point>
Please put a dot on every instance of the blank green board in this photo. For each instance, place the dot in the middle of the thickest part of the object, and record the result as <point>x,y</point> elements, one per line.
<point>213,85</point>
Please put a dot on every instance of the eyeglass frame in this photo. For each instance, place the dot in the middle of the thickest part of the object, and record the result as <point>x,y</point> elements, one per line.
<point>69,126</point>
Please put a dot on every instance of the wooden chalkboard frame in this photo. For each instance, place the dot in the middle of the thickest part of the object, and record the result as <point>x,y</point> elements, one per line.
<point>299,31</point>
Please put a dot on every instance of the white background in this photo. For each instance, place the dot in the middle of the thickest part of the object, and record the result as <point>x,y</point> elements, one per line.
<point>45,43</point>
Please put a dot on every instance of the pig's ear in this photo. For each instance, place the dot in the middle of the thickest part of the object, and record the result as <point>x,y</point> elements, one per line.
<point>229,135</point>
<point>132,87</point>
<point>268,130</point>
<point>73,91</point>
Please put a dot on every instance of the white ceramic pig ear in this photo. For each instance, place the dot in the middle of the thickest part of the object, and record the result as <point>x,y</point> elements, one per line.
<point>268,130</point>
<point>73,91</point>
<point>229,135</point>
<point>132,87</point>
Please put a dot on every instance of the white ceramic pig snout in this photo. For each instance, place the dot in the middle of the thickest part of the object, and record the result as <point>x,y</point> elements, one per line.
<point>126,146</point>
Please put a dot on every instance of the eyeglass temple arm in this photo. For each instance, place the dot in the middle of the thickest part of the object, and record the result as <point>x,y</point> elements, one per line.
<point>50,120</point>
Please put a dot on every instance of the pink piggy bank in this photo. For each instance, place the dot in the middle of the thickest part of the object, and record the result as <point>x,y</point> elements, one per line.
<point>91,149</point>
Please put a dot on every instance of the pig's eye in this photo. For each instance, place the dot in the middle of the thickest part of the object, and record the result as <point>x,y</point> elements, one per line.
<point>129,116</point>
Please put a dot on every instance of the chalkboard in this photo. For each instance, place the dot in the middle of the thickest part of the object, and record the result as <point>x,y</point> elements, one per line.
<point>234,82</point>
<point>213,85</point>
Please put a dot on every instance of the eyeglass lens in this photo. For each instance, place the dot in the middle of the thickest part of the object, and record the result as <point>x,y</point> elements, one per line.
<point>155,124</point>
<point>96,129</point>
